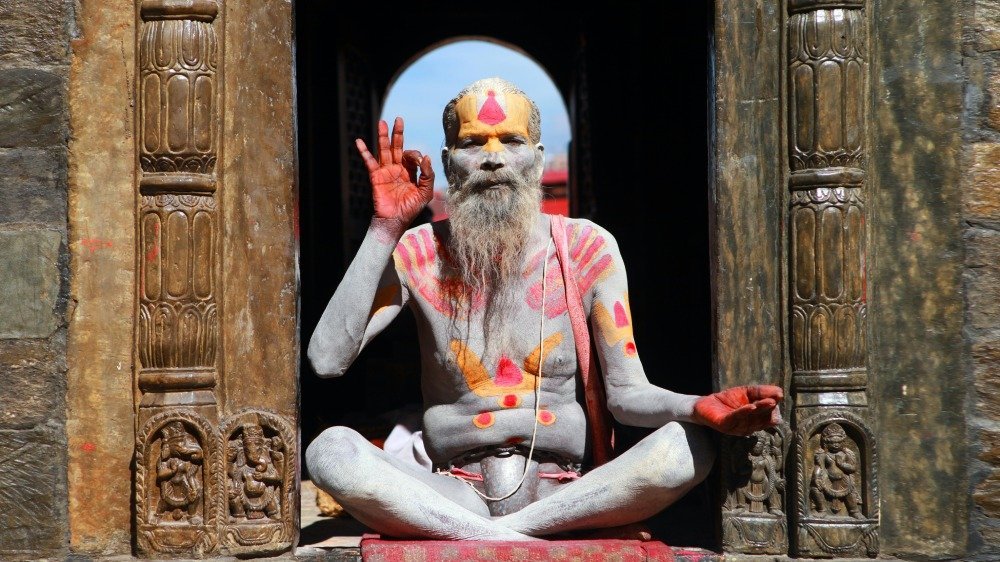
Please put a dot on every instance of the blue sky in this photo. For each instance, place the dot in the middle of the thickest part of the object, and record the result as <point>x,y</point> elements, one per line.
<point>422,90</point>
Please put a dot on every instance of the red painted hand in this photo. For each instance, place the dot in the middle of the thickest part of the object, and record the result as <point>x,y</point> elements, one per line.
<point>741,410</point>
<point>396,189</point>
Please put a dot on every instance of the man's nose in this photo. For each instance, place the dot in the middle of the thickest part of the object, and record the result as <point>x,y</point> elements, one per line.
<point>492,161</point>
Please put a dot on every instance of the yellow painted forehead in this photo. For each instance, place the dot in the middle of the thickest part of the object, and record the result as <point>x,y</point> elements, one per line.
<point>493,114</point>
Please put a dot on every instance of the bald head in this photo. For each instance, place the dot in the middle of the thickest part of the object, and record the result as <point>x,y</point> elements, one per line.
<point>491,102</point>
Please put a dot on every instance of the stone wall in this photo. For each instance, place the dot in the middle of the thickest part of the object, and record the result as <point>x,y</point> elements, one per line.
<point>34,275</point>
<point>981,213</point>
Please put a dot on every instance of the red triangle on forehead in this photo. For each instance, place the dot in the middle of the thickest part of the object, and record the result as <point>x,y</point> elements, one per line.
<point>491,113</point>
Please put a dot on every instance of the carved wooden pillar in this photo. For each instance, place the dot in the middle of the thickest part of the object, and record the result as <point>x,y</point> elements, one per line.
<point>216,468</point>
<point>833,460</point>
<point>178,260</point>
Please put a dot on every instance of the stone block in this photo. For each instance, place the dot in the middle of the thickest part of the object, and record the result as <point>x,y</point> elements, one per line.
<point>982,248</point>
<point>985,23</point>
<point>982,298</point>
<point>32,108</point>
<point>35,31</point>
<point>987,494</point>
<point>33,185</point>
<point>989,442</point>
<point>986,374</point>
<point>32,493</point>
<point>982,196</point>
<point>29,283</point>
<point>30,396</point>
<point>993,101</point>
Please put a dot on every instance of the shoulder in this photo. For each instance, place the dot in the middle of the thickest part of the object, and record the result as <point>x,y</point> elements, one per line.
<point>418,248</point>
<point>581,230</point>
<point>420,237</point>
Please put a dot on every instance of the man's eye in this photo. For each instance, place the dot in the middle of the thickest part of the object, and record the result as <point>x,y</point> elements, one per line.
<point>513,140</point>
<point>470,141</point>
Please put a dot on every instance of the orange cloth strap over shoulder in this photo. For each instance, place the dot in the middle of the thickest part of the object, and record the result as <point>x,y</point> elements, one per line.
<point>599,419</point>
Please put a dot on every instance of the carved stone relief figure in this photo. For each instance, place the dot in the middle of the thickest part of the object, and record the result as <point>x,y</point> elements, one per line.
<point>178,475</point>
<point>255,467</point>
<point>176,485</point>
<point>833,487</point>
<point>258,503</point>
<point>764,486</point>
<point>753,516</point>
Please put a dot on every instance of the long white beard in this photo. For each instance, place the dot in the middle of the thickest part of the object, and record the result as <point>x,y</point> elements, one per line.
<point>490,231</point>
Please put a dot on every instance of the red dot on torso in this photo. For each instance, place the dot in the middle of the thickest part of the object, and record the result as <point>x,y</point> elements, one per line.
<point>630,348</point>
<point>483,420</point>
<point>509,401</point>
<point>546,417</point>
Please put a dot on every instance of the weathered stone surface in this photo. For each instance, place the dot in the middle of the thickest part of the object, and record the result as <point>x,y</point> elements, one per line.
<point>982,249</point>
<point>32,379</point>
<point>99,426</point>
<point>989,443</point>
<point>985,23</point>
<point>29,283</point>
<point>986,373</point>
<point>34,31</point>
<point>992,109</point>
<point>916,302</point>
<point>987,494</point>
<point>982,198</point>
<point>32,493</point>
<point>983,302</point>
<point>30,396</point>
<point>33,185</point>
<point>31,108</point>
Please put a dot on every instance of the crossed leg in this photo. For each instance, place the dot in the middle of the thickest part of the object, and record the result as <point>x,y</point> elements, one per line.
<point>397,499</point>
<point>653,474</point>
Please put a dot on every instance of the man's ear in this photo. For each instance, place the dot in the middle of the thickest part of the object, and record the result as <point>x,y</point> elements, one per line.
<point>444,160</point>
<point>539,161</point>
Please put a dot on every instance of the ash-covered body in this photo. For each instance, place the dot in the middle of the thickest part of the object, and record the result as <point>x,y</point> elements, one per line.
<point>498,358</point>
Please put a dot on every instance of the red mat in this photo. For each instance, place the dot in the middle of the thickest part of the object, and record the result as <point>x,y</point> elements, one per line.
<point>376,549</point>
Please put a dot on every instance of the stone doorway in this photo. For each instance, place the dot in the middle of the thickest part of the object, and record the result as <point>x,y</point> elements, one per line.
<point>621,126</point>
<point>184,330</point>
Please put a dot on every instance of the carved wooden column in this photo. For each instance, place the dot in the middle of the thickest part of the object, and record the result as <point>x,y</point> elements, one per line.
<point>178,261</point>
<point>833,460</point>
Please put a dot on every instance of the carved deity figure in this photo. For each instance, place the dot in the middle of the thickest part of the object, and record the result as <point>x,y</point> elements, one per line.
<point>835,466</point>
<point>178,474</point>
<point>504,296</point>
<point>255,465</point>
<point>764,485</point>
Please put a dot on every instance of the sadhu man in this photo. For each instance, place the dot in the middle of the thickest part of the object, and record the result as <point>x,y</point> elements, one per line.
<point>501,295</point>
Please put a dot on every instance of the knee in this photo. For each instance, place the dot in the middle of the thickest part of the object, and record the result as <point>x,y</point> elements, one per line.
<point>331,457</point>
<point>680,455</point>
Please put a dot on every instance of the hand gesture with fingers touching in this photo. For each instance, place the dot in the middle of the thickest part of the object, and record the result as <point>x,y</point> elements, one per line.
<point>741,410</point>
<point>398,191</point>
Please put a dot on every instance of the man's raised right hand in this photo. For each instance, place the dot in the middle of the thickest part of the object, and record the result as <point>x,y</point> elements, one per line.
<point>396,189</point>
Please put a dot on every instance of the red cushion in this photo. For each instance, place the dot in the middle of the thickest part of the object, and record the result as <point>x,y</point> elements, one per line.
<point>376,549</point>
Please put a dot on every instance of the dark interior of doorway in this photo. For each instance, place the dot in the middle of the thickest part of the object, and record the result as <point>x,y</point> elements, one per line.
<point>636,76</point>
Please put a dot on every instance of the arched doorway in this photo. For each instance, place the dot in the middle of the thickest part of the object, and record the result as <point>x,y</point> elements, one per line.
<point>430,79</point>
<point>633,145</point>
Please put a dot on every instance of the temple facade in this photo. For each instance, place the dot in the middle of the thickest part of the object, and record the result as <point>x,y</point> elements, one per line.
<point>180,195</point>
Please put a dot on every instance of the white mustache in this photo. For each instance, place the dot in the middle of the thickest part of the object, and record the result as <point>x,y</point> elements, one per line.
<point>482,180</point>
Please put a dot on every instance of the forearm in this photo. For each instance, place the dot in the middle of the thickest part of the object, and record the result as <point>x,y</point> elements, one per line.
<point>646,405</point>
<point>340,334</point>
